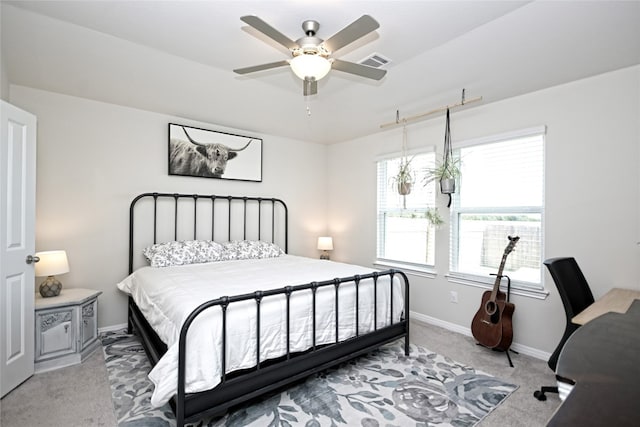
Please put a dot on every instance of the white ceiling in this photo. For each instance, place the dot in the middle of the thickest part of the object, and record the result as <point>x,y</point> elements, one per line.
<point>176,57</point>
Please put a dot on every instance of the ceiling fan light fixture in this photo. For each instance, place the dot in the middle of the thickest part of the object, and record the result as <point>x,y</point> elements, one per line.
<point>312,56</point>
<point>310,66</point>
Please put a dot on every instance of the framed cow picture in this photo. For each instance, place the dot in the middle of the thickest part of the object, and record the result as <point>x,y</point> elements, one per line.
<point>212,154</point>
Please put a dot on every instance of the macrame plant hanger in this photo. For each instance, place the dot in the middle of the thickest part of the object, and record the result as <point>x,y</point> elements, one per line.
<point>448,149</point>
<point>404,163</point>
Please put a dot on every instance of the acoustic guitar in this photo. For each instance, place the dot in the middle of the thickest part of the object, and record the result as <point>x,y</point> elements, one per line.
<point>491,326</point>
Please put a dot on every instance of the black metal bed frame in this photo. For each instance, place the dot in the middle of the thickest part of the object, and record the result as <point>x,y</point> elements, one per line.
<point>266,376</point>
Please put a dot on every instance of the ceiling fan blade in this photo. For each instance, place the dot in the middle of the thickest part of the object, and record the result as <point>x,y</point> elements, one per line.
<point>269,31</point>
<point>358,69</point>
<point>247,70</point>
<point>309,87</point>
<point>352,32</point>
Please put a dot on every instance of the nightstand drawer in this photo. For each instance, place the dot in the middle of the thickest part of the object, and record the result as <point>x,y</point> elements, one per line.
<point>54,333</point>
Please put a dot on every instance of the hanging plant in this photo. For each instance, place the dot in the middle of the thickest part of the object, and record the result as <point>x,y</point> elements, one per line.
<point>434,218</point>
<point>448,170</point>
<point>404,179</point>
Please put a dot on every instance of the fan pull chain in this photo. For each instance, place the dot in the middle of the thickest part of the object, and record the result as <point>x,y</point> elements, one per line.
<point>307,107</point>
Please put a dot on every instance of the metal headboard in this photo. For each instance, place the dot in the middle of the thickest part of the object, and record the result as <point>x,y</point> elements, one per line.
<point>181,211</point>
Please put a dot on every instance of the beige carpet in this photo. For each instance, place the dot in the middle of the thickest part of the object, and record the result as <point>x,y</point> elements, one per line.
<point>80,395</point>
<point>76,396</point>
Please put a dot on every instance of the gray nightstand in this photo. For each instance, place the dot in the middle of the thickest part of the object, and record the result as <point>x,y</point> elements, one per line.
<point>66,328</point>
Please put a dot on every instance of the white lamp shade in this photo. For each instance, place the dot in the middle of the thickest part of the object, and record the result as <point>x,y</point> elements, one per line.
<point>308,65</point>
<point>325,243</point>
<point>52,263</point>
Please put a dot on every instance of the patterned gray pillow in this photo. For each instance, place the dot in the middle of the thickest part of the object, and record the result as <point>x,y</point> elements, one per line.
<point>183,252</point>
<point>250,249</point>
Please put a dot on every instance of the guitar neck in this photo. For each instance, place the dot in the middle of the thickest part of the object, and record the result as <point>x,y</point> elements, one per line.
<point>496,285</point>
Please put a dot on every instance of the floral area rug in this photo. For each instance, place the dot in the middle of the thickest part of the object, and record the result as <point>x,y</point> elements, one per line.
<point>382,389</point>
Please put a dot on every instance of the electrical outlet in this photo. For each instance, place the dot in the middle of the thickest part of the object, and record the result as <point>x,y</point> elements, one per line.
<point>453,296</point>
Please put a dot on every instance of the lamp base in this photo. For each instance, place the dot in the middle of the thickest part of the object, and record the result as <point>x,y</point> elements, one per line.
<point>324,255</point>
<point>51,287</point>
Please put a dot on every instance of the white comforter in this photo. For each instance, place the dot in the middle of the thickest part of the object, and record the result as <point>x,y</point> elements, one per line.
<point>166,296</point>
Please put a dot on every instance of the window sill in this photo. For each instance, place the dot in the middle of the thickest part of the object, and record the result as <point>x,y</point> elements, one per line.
<point>410,269</point>
<point>530,293</point>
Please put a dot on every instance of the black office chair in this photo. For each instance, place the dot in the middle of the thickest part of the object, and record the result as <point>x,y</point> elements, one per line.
<point>576,296</point>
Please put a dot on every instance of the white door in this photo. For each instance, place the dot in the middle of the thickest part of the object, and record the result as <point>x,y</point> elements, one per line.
<point>17,242</point>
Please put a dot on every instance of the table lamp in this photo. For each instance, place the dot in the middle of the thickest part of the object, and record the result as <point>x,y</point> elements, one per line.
<point>50,264</point>
<point>325,244</point>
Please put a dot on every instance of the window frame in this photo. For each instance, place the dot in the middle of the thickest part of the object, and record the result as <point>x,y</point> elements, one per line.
<point>487,282</point>
<point>420,269</point>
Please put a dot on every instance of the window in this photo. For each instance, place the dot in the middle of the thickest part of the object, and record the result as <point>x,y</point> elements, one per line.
<point>405,234</point>
<point>501,194</point>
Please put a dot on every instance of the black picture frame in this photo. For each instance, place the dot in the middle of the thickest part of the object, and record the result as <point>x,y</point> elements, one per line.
<point>208,153</point>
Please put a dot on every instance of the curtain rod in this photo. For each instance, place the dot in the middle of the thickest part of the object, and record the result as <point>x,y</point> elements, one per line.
<point>405,120</point>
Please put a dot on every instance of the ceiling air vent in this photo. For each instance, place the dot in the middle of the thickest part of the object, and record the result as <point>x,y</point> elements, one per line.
<point>375,60</point>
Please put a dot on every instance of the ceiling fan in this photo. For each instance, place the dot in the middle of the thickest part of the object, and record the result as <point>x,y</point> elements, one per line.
<point>312,56</point>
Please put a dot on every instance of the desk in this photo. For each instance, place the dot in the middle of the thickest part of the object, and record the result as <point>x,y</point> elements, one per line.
<point>616,300</point>
<point>602,358</point>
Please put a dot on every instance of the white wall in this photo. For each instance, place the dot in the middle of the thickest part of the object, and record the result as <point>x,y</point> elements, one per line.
<point>93,158</point>
<point>4,79</point>
<point>592,194</point>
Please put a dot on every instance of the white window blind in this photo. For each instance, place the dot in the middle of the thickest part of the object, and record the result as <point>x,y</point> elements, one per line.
<point>501,193</point>
<point>405,235</point>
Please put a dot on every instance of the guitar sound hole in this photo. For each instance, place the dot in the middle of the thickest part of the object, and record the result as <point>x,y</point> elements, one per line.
<point>491,307</point>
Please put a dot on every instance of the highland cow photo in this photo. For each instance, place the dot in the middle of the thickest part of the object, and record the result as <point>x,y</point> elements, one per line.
<point>211,154</point>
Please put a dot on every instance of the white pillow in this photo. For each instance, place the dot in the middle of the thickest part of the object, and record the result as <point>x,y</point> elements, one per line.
<point>183,252</point>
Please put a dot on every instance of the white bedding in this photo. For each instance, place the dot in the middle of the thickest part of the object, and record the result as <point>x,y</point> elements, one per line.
<point>166,296</point>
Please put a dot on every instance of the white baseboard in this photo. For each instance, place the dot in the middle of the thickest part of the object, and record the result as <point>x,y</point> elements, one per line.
<point>523,349</point>
<point>112,328</point>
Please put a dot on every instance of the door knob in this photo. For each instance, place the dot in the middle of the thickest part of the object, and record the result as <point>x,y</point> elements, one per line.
<point>32,259</point>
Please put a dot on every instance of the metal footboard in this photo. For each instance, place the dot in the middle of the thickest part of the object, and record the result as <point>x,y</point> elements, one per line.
<point>292,366</point>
